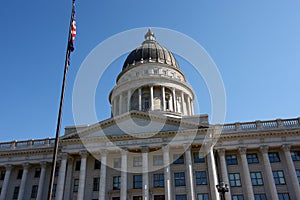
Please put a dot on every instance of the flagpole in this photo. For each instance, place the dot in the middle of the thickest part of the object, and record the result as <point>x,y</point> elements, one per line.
<point>59,118</point>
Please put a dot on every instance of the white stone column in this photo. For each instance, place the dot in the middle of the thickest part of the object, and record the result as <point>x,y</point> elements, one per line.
<point>23,181</point>
<point>188,102</point>
<point>120,104</point>
<point>145,173</point>
<point>123,191</point>
<point>190,175</point>
<point>163,96</point>
<point>61,177</point>
<point>115,107</point>
<point>212,173</point>
<point>41,181</point>
<point>68,181</point>
<point>249,189</point>
<point>192,107</point>
<point>140,98</point>
<point>128,100</point>
<point>221,153</point>
<point>182,104</point>
<point>151,98</point>
<point>291,168</point>
<point>167,172</point>
<point>82,175</point>
<point>268,170</point>
<point>8,169</point>
<point>174,100</point>
<point>102,189</point>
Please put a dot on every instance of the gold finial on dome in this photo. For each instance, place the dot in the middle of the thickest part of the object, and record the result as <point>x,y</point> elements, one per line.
<point>149,35</point>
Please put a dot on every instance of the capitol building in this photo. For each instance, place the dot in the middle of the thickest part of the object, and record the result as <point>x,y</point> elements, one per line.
<point>154,147</point>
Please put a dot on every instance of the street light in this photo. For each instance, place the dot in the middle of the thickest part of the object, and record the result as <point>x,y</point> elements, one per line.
<point>222,189</point>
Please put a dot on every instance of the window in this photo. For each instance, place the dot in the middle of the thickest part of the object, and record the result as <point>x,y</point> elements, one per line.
<point>97,164</point>
<point>56,171</point>
<point>137,198</point>
<point>179,178</point>
<point>203,196</point>
<point>178,159</point>
<point>2,175</point>
<point>158,180</point>
<point>283,196</point>
<point>201,178</point>
<point>137,161</point>
<point>298,175</point>
<point>77,165</point>
<point>20,173</point>
<point>117,162</point>
<point>256,178</point>
<point>165,72</point>
<point>116,182</point>
<point>181,197</point>
<point>37,173</point>
<point>235,180</point>
<point>252,158</point>
<point>16,192</point>
<point>231,160</point>
<point>146,104</point>
<point>116,198</point>
<point>137,181</point>
<point>159,197</point>
<point>75,185</point>
<point>34,191</point>
<point>260,197</point>
<point>96,184</point>
<point>198,157</point>
<point>158,160</point>
<point>155,71</point>
<point>295,155</point>
<point>278,177</point>
<point>238,197</point>
<point>274,157</point>
<point>54,190</point>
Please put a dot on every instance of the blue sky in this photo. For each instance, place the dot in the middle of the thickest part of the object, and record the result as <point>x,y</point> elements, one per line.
<point>255,44</point>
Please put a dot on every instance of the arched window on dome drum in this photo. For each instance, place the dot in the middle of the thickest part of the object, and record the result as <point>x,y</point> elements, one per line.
<point>146,104</point>
<point>167,99</point>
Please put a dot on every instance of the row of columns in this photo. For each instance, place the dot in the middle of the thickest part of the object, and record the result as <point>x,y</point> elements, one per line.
<point>268,170</point>
<point>185,109</point>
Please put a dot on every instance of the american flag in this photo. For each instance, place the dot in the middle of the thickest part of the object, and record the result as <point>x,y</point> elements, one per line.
<point>72,30</point>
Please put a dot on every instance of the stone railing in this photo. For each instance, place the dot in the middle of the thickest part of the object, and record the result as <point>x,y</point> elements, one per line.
<point>48,142</point>
<point>262,125</point>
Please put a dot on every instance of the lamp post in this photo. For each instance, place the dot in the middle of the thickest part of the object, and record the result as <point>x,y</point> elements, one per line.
<point>222,189</point>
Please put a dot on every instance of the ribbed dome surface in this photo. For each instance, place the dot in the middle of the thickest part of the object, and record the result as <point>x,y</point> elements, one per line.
<point>150,52</point>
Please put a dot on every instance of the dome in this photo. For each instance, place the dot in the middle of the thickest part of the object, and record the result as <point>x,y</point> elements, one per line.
<point>150,51</point>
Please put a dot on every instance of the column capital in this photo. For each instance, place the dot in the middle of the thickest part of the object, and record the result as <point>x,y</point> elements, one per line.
<point>144,149</point>
<point>165,148</point>
<point>221,152</point>
<point>286,147</point>
<point>8,167</point>
<point>64,155</point>
<point>242,150</point>
<point>124,151</point>
<point>26,165</point>
<point>264,149</point>
<point>43,164</point>
<point>187,147</point>
<point>84,154</point>
<point>103,152</point>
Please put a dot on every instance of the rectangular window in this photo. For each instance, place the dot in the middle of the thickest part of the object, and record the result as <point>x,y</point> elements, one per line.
<point>116,198</point>
<point>137,181</point>
<point>77,165</point>
<point>238,197</point>
<point>137,198</point>
<point>198,157</point>
<point>256,178</point>
<point>116,182</point>
<point>274,157</point>
<point>201,178</point>
<point>181,197</point>
<point>283,196</point>
<point>20,173</point>
<point>202,196</point>
<point>231,160</point>
<point>155,71</point>
<point>298,175</point>
<point>295,155</point>
<point>235,180</point>
<point>165,72</point>
<point>252,158</point>
<point>178,159</point>
<point>117,162</point>
<point>97,164</point>
<point>260,197</point>
<point>34,191</point>
<point>137,161</point>
<point>37,173</point>
<point>16,192</point>
<point>54,190</point>
<point>279,177</point>
<point>158,180</point>
<point>56,171</point>
<point>2,175</point>
<point>96,184</point>
<point>179,178</point>
<point>158,160</point>
<point>75,185</point>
